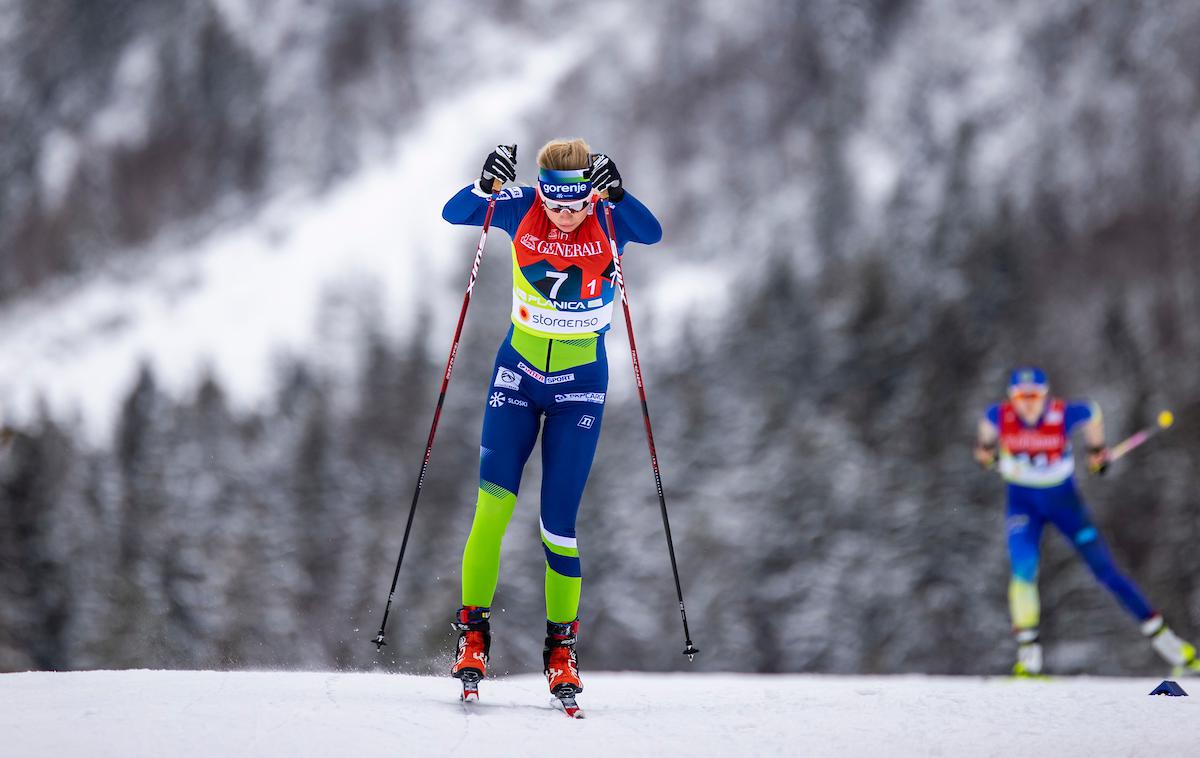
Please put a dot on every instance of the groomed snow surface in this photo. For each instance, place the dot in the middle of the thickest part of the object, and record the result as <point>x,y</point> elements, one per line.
<point>189,714</point>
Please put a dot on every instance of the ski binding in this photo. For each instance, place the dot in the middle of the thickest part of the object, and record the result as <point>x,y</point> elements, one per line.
<point>470,685</point>
<point>564,698</point>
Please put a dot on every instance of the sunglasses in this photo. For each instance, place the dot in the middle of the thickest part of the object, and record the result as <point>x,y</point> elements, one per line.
<point>574,207</point>
<point>1028,395</point>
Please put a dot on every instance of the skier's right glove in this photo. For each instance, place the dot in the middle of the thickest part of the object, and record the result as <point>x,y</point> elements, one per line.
<point>1098,460</point>
<point>985,456</point>
<point>500,166</point>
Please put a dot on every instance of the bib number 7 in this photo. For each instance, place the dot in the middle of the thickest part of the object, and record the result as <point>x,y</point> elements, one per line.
<point>561,277</point>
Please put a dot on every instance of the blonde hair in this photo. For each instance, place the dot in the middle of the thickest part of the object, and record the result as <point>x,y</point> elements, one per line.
<point>564,154</point>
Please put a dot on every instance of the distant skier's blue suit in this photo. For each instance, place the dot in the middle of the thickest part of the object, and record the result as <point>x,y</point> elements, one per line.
<point>1037,462</point>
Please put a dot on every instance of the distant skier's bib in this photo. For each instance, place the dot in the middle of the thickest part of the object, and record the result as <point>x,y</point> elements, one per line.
<point>562,281</point>
<point>1038,456</point>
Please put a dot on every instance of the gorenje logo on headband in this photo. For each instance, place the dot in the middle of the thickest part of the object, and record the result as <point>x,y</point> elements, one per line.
<point>568,184</point>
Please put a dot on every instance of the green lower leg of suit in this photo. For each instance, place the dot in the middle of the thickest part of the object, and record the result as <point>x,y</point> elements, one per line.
<point>481,559</point>
<point>1023,603</point>
<point>562,596</point>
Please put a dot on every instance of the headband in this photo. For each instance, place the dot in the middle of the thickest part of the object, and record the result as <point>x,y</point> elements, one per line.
<point>564,185</point>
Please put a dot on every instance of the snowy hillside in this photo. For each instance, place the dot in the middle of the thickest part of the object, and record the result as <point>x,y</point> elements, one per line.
<point>183,714</point>
<point>303,271</point>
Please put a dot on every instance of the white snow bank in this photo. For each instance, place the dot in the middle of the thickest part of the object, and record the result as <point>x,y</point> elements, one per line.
<point>184,714</point>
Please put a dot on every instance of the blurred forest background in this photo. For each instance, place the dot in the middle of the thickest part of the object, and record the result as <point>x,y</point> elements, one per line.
<point>880,206</point>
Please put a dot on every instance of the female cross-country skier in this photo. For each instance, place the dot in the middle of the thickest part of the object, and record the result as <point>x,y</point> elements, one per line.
<point>551,371</point>
<point>1030,436</point>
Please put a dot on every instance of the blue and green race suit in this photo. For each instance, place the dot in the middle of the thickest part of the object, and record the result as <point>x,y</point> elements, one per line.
<point>550,372</point>
<point>1036,461</point>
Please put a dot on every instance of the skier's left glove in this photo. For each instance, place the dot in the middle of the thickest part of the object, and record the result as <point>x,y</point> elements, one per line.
<point>1098,460</point>
<point>605,177</point>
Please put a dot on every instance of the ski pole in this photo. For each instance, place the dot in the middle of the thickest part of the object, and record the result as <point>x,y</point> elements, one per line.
<point>437,412</point>
<point>689,649</point>
<point>1135,440</point>
<point>7,435</point>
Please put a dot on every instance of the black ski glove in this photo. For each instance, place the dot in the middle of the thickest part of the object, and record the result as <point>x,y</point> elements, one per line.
<point>985,455</point>
<point>605,177</point>
<point>500,166</point>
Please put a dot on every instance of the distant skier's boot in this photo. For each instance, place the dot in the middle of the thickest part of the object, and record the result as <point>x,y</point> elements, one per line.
<point>1179,653</point>
<point>561,665</point>
<point>474,642</point>
<point>1029,654</point>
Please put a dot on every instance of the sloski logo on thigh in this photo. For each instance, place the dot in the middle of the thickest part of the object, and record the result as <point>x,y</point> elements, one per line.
<point>507,379</point>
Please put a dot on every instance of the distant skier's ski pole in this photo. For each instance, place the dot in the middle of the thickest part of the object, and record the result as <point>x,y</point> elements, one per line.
<point>7,435</point>
<point>1135,440</point>
<point>437,412</point>
<point>689,649</point>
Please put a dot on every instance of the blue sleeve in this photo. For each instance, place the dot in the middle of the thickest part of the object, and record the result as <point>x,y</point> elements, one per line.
<point>1079,412</point>
<point>468,207</point>
<point>993,415</point>
<point>634,222</point>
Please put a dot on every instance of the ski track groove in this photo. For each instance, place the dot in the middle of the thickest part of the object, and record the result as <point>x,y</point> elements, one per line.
<point>329,680</point>
<point>466,731</point>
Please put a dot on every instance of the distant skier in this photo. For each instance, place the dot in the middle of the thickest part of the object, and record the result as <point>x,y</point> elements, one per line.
<point>551,365</point>
<point>1030,436</point>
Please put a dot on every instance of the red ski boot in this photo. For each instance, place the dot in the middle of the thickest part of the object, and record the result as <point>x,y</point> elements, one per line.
<point>474,642</point>
<point>561,665</point>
